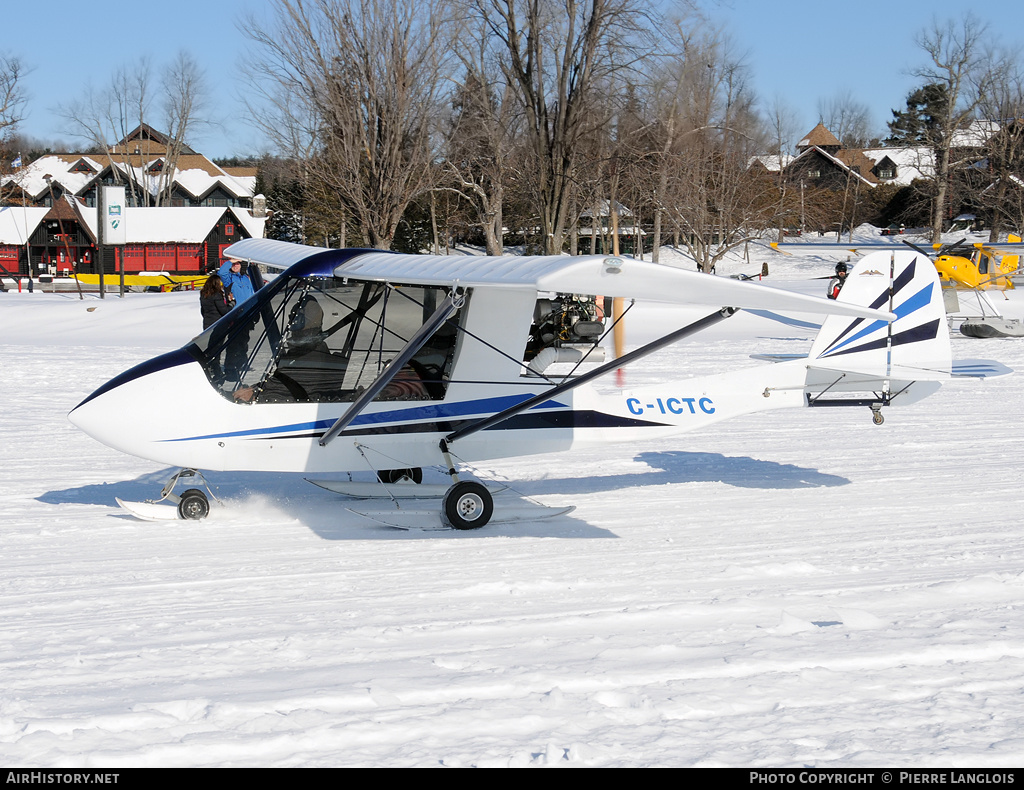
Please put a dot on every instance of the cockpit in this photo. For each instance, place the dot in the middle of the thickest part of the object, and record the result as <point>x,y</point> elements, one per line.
<point>325,339</point>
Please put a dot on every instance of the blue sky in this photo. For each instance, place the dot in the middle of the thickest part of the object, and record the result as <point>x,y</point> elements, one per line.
<point>798,51</point>
<point>67,44</point>
<point>804,52</point>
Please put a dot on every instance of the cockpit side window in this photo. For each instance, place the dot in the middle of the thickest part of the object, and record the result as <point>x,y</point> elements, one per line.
<point>311,340</point>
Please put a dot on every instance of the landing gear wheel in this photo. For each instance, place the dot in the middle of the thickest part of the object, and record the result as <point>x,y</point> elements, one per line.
<point>877,418</point>
<point>467,505</point>
<point>193,505</point>
<point>397,475</point>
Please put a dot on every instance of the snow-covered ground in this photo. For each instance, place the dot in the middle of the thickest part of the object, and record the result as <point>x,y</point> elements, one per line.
<point>796,588</point>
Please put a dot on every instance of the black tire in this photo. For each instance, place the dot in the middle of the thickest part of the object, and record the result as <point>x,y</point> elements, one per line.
<point>467,505</point>
<point>193,505</point>
<point>394,475</point>
<point>877,418</point>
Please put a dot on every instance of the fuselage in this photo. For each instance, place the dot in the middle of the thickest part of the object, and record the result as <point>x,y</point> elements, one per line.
<point>219,434</point>
<point>259,389</point>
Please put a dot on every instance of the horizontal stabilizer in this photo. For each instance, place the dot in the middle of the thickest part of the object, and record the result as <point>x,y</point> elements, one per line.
<point>902,372</point>
<point>979,368</point>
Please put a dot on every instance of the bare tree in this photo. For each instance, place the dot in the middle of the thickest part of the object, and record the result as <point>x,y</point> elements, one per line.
<point>289,122</point>
<point>12,95</point>
<point>848,119</point>
<point>717,200</point>
<point>482,140</point>
<point>369,74</point>
<point>554,52</point>
<point>1003,196</point>
<point>781,129</point>
<point>101,116</point>
<point>184,100</point>
<point>669,86</point>
<point>960,64</point>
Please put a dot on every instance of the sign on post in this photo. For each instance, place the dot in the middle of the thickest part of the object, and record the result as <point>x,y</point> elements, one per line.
<point>113,216</point>
<point>112,231</point>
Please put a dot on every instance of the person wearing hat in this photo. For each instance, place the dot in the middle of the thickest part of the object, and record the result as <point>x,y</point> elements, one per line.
<point>835,285</point>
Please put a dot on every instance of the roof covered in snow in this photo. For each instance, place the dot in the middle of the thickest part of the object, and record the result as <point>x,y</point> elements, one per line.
<point>17,223</point>
<point>911,162</point>
<point>75,173</point>
<point>174,224</point>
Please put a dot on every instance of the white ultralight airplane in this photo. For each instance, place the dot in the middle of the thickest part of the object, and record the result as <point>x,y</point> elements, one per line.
<point>356,359</point>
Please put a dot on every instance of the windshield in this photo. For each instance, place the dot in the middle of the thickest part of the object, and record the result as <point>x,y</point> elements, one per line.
<point>317,339</point>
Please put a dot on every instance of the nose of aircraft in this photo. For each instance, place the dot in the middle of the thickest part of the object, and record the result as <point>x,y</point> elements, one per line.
<point>122,413</point>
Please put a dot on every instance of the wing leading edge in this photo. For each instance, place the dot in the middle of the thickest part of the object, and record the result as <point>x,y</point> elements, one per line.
<point>591,274</point>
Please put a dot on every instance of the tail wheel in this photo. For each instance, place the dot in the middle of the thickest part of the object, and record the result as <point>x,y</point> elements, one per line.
<point>467,505</point>
<point>193,505</point>
<point>415,474</point>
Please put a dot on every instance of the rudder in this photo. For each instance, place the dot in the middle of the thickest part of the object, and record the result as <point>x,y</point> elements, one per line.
<point>914,347</point>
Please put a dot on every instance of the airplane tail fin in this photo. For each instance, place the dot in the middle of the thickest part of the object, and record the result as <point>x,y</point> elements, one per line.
<point>859,354</point>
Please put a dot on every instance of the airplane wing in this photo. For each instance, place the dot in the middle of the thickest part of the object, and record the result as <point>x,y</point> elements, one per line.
<point>278,255</point>
<point>825,246</point>
<point>1003,248</point>
<point>590,274</point>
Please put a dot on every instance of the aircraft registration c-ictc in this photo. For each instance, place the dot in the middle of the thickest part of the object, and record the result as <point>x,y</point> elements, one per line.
<point>355,359</point>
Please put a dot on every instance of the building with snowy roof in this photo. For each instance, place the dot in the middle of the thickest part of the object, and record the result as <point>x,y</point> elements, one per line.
<point>152,170</point>
<point>61,238</point>
<point>822,160</point>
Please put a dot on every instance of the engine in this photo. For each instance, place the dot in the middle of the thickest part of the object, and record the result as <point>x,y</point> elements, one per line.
<point>568,322</point>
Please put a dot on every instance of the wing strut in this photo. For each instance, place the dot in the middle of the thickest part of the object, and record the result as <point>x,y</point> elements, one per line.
<point>632,356</point>
<point>447,309</point>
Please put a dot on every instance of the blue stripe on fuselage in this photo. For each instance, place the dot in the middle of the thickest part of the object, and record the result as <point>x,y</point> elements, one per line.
<point>484,406</point>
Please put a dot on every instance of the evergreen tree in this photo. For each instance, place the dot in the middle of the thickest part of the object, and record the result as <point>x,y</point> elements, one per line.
<point>919,123</point>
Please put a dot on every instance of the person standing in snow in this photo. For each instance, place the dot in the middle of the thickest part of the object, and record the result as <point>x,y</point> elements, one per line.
<point>835,285</point>
<point>237,284</point>
<point>213,302</point>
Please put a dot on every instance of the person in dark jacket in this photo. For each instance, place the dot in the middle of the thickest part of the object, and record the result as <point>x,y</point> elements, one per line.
<point>213,301</point>
<point>835,285</point>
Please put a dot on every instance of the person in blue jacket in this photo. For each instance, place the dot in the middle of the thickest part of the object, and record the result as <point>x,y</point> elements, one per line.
<point>237,284</point>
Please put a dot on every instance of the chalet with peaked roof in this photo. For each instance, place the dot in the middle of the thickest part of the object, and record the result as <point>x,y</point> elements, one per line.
<point>823,167</point>
<point>141,162</point>
<point>144,139</point>
<point>822,160</point>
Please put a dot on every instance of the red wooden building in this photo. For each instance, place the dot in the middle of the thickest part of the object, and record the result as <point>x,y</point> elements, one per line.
<point>62,237</point>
